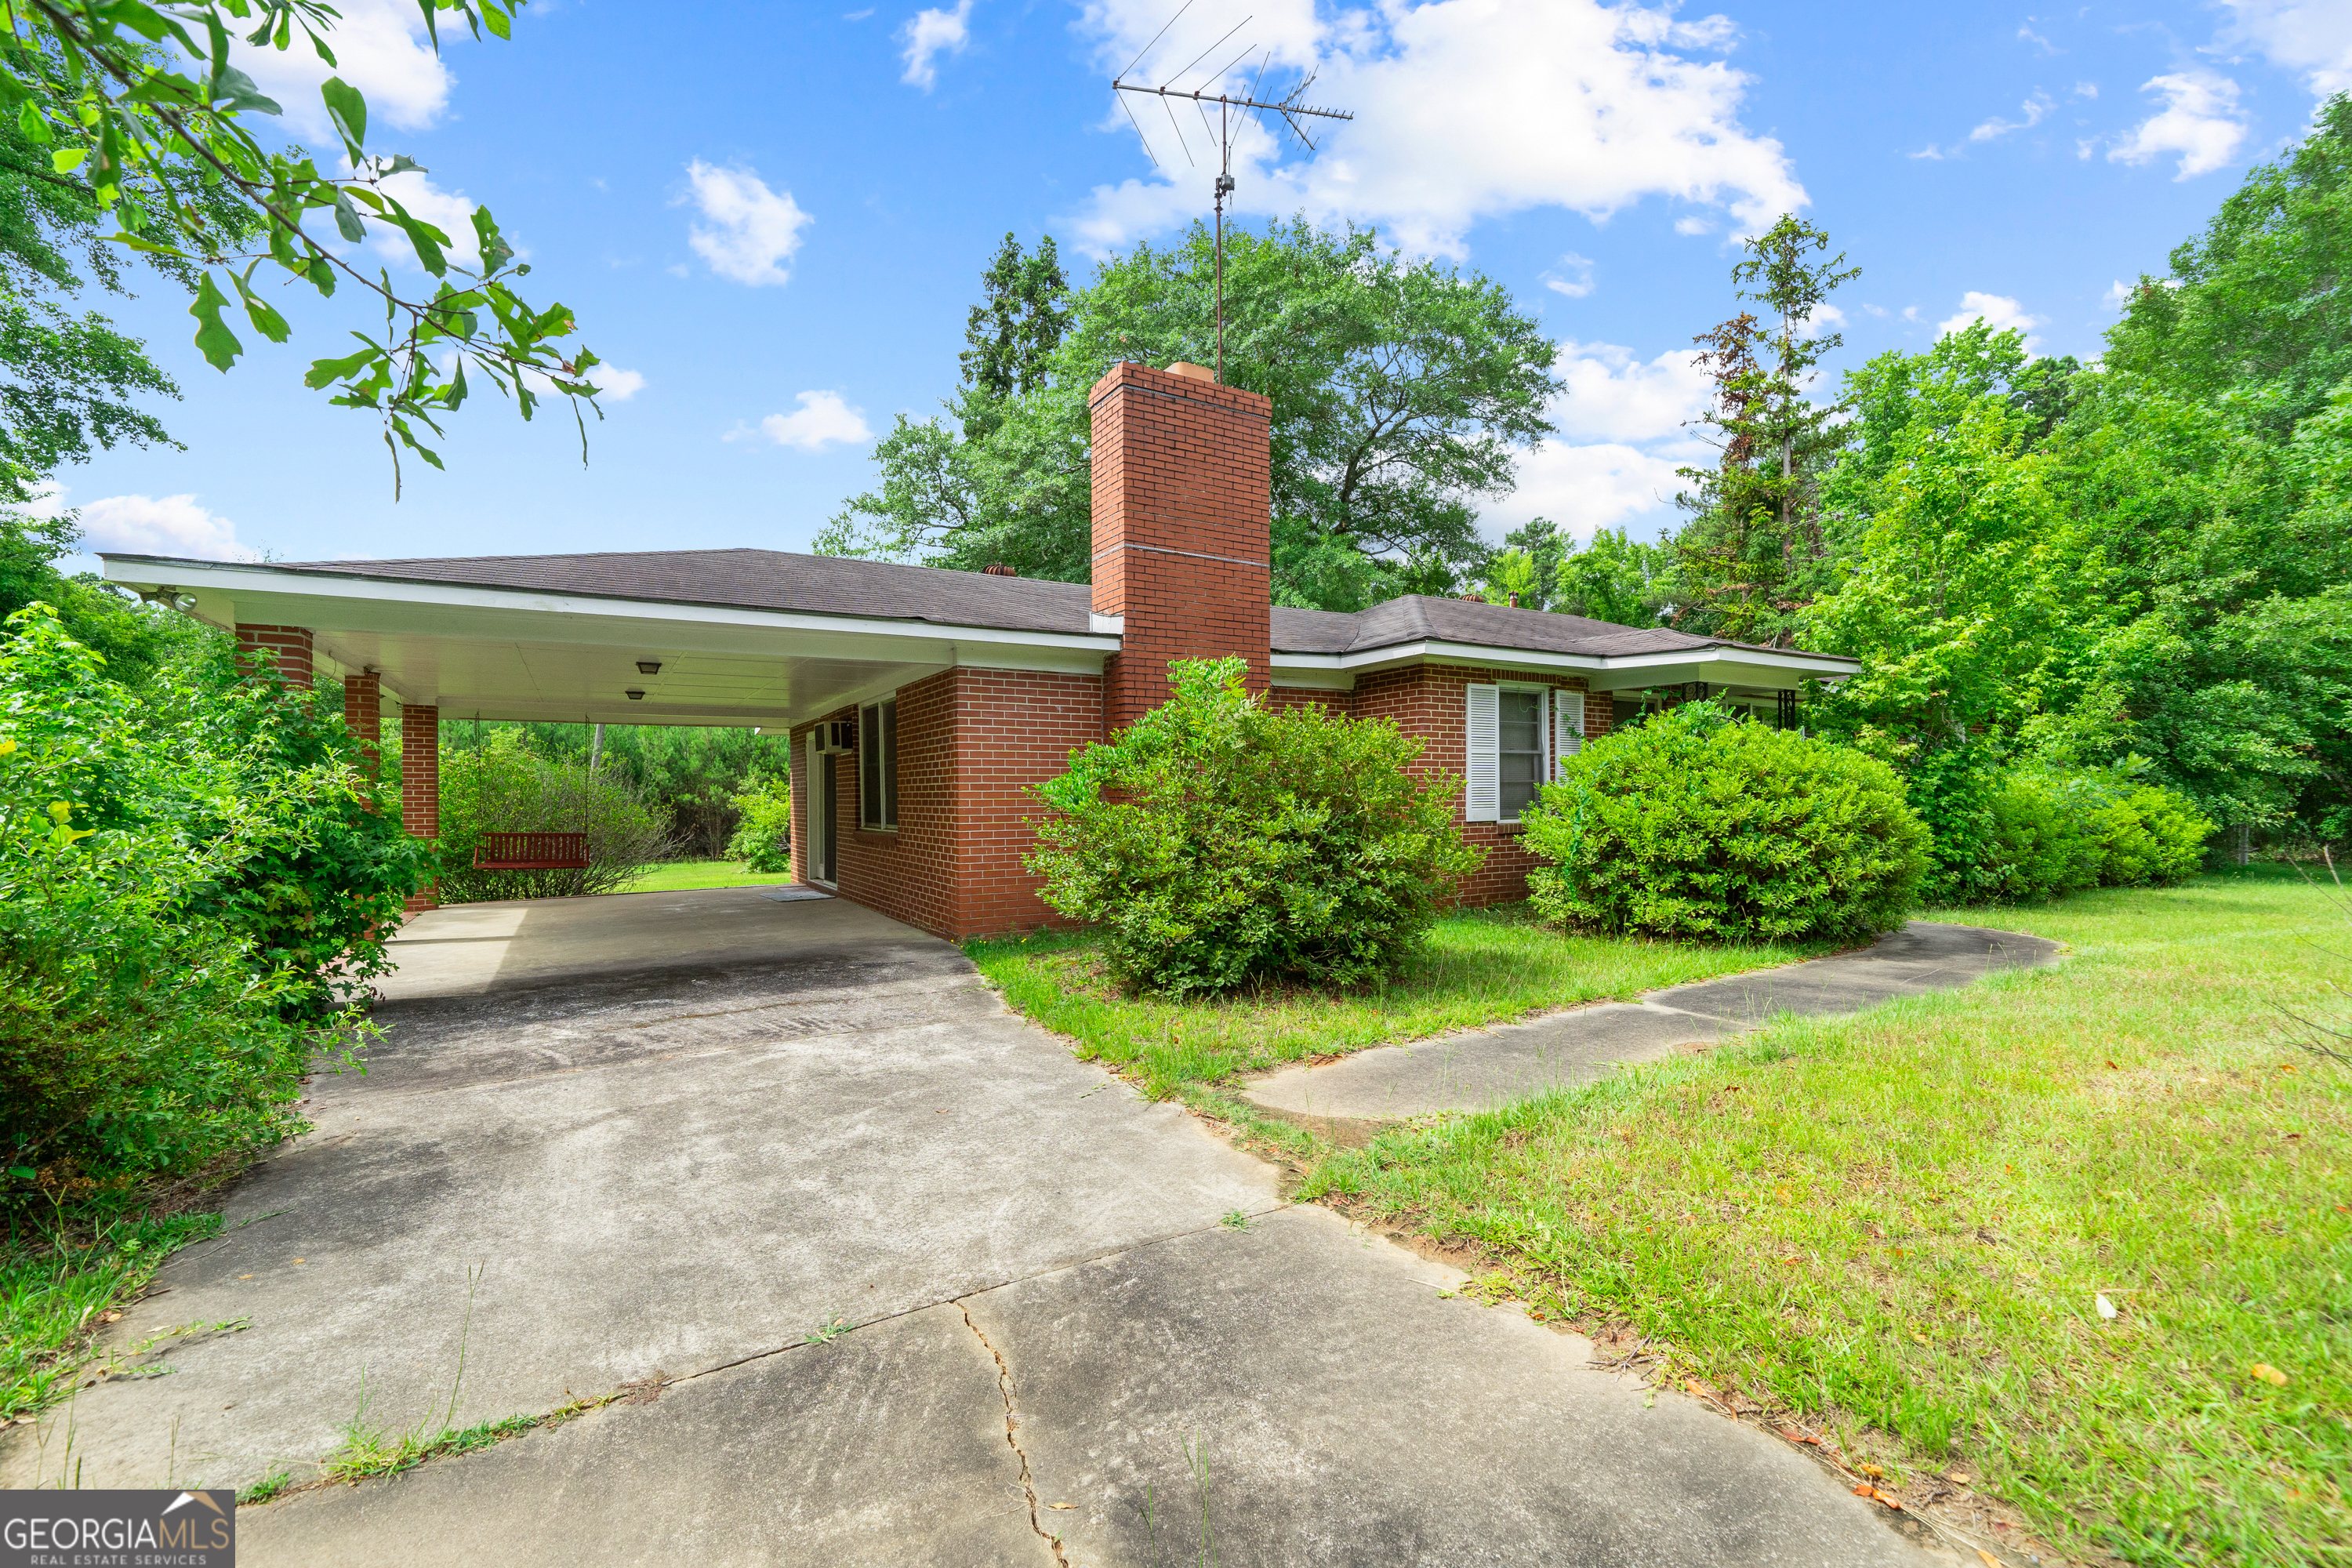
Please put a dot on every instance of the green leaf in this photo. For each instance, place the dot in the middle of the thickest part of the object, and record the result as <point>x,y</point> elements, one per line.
<point>262,314</point>
<point>347,219</point>
<point>30,121</point>
<point>348,110</point>
<point>402,163</point>
<point>24,1173</point>
<point>214,340</point>
<point>66,159</point>
<point>326,372</point>
<point>233,93</point>
<point>496,20</point>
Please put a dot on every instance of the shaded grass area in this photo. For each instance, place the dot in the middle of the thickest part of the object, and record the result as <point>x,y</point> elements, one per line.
<point>1905,1221</point>
<point>54,1292</point>
<point>1482,966</point>
<point>680,876</point>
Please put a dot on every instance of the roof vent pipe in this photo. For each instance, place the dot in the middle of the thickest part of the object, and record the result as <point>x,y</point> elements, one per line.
<point>1001,570</point>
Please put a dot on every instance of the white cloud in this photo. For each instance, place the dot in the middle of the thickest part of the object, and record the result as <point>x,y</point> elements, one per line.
<point>2086,89</point>
<point>821,420</point>
<point>1826,316</point>
<point>1573,278</point>
<point>1910,312</point>
<point>928,34</point>
<point>1465,110</point>
<point>2312,37</point>
<point>2201,121</point>
<point>1998,312</point>
<point>753,230</point>
<point>1929,150</point>
<point>616,384</point>
<point>381,48</point>
<point>1622,426</point>
<point>155,525</point>
<point>451,212</point>
<point>2034,109</point>
<point>2026,34</point>
<point>2118,294</point>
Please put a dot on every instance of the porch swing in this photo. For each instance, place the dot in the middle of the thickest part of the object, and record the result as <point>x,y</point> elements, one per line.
<point>525,851</point>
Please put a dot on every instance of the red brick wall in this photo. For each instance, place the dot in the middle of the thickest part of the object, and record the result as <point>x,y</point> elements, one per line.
<point>363,714</point>
<point>1427,701</point>
<point>1181,493</point>
<point>420,783</point>
<point>290,644</point>
<point>971,741</point>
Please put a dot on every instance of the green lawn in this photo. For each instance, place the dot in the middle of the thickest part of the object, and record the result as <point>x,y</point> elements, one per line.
<point>1902,1223</point>
<point>51,1297</point>
<point>1483,967</point>
<point>678,876</point>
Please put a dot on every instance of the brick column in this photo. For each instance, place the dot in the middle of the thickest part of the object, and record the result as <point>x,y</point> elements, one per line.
<point>1181,495</point>
<point>363,714</point>
<point>290,644</point>
<point>420,784</point>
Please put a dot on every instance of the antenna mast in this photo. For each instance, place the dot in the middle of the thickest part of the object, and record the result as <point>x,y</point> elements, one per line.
<point>1292,108</point>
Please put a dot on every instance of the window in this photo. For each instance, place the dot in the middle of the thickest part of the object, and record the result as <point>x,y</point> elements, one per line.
<point>1508,752</point>
<point>1520,750</point>
<point>877,765</point>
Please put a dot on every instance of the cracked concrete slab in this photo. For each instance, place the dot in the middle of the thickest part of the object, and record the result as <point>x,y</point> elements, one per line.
<point>1351,1412</point>
<point>884,1447</point>
<point>1480,1069</point>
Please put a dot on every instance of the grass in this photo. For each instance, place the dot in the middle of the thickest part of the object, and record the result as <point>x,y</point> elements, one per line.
<point>367,1452</point>
<point>1902,1223</point>
<point>678,876</point>
<point>54,1294</point>
<point>1483,966</point>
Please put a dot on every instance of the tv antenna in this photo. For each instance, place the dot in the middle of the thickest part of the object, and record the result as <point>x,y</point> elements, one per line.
<point>1292,108</point>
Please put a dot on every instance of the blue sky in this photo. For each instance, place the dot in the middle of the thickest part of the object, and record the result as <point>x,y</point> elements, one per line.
<point>771,220</point>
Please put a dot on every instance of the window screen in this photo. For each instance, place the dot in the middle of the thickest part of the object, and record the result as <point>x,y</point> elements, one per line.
<point>878,766</point>
<point>1520,754</point>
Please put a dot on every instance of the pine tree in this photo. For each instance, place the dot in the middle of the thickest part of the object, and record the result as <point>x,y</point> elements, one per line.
<point>1750,553</point>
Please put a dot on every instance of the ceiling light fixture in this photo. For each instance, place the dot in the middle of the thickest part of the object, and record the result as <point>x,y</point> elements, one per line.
<point>634,695</point>
<point>648,667</point>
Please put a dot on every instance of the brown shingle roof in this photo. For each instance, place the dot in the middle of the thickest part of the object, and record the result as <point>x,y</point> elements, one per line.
<point>839,585</point>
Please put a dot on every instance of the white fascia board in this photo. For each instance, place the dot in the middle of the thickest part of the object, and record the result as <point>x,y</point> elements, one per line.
<point>266,595</point>
<point>1311,672</point>
<point>1602,672</point>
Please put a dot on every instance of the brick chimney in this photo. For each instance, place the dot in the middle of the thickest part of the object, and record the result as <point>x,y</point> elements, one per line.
<point>1182,479</point>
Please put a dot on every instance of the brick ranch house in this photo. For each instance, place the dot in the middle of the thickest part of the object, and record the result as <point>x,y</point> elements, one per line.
<point>922,704</point>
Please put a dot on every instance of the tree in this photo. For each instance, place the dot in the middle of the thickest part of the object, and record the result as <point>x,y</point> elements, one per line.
<point>1525,571</point>
<point>1614,578</point>
<point>1013,331</point>
<point>1746,554</point>
<point>135,111</point>
<point>1401,391</point>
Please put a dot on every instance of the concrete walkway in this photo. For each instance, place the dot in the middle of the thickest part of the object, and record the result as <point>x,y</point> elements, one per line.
<point>1481,1068</point>
<point>895,1279</point>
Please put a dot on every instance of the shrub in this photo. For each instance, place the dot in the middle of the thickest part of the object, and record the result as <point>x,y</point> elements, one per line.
<point>1220,843</point>
<point>1695,824</point>
<point>2060,830</point>
<point>763,841</point>
<point>165,915</point>
<point>501,786</point>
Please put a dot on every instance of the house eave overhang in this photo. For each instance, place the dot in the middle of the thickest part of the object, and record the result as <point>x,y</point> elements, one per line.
<point>1764,668</point>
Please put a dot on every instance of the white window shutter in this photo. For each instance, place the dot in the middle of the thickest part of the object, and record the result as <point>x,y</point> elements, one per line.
<point>1568,726</point>
<point>1482,769</point>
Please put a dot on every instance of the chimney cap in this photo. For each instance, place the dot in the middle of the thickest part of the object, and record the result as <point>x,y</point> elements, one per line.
<point>1191,372</point>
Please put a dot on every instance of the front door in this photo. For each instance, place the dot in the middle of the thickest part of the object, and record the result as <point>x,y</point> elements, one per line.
<point>825,836</point>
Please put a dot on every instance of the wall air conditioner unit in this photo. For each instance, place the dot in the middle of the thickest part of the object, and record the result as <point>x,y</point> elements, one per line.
<point>836,737</point>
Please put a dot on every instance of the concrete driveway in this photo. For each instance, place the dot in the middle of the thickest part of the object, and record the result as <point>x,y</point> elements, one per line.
<point>897,1281</point>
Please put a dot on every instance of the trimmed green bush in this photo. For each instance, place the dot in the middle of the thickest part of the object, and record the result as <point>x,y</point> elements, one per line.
<point>1219,843</point>
<point>1697,823</point>
<point>763,839</point>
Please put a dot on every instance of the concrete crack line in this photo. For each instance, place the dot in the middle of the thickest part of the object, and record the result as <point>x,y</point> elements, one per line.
<point>1013,1437</point>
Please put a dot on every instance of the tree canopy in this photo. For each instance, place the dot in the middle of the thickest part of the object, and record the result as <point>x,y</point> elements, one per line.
<point>1401,391</point>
